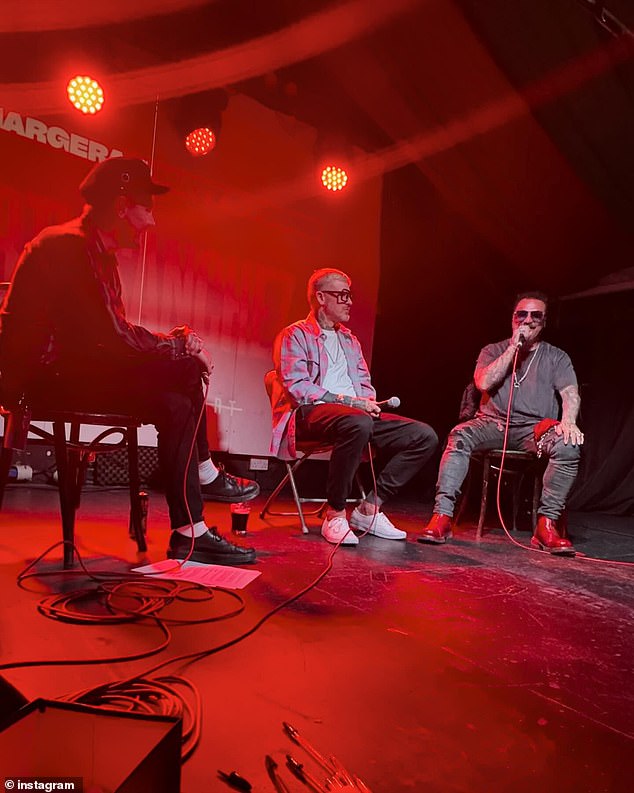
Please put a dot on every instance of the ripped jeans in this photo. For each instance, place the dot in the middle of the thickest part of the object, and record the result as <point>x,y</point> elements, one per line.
<point>484,433</point>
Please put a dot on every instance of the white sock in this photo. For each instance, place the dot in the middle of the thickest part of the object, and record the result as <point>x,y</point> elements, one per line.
<point>199,529</point>
<point>207,472</point>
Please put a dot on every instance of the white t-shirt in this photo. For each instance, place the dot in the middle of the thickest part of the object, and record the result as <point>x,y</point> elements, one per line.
<point>337,379</point>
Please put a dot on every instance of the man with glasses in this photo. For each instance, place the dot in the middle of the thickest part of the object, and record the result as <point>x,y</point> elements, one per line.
<point>542,373</point>
<point>324,393</point>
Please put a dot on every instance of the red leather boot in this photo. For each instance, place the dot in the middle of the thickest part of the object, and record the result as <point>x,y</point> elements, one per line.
<point>437,531</point>
<point>548,537</point>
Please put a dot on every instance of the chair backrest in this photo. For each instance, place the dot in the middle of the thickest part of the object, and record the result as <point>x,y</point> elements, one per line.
<point>469,403</point>
<point>318,449</point>
<point>269,382</point>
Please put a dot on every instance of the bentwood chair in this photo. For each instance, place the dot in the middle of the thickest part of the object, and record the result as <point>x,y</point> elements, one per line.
<point>72,457</point>
<point>517,466</point>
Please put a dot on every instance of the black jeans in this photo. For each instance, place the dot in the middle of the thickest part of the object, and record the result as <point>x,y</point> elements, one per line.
<point>165,393</point>
<point>407,445</point>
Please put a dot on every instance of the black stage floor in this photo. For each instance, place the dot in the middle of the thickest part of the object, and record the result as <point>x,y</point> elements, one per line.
<point>472,667</point>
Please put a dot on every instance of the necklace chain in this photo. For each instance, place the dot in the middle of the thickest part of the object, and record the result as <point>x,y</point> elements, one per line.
<point>516,382</point>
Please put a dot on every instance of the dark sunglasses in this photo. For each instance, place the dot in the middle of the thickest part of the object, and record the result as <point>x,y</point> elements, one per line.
<point>521,316</point>
<point>343,295</point>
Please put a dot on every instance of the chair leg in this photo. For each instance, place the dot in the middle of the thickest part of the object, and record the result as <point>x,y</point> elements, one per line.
<point>486,470</point>
<point>265,509</point>
<point>136,509</point>
<point>537,491</point>
<point>6,458</point>
<point>79,463</point>
<point>291,478</point>
<point>464,497</point>
<point>517,492</point>
<point>67,491</point>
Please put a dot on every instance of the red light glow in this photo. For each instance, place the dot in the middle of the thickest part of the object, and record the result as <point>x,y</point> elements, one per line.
<point>200,142</point>
<point>334,178</point>
<point>85,94</point>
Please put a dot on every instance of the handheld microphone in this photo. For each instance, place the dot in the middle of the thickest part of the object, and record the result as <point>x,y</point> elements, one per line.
<point>521,341</point>
<point>392,402</point>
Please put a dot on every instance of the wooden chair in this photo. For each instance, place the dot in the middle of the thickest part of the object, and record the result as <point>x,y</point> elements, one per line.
<point>517,465</point>
<point>72,457</point>
<point>292,465</point>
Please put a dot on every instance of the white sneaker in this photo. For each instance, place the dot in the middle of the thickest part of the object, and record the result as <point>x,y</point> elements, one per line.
<point>337,529</point>
<point>379,525</point>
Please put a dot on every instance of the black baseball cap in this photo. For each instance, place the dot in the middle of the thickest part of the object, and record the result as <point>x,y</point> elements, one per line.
<point>119,176</point>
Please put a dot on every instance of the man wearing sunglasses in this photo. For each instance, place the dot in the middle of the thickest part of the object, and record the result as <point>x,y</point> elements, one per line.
<point>324,393</point>
<point>543,373</point>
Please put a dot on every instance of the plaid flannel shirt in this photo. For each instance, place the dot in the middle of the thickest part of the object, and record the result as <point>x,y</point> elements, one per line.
<point>64,307</point>
<point>301,364</point>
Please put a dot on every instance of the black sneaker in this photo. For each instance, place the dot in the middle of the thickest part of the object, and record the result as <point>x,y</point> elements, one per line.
<point>229,488</point>
<point>209,548</point>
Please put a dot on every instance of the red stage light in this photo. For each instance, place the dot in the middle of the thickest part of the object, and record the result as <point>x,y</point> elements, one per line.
<point>200,142</point>
<point>334,178</point>
<point>85,94</point>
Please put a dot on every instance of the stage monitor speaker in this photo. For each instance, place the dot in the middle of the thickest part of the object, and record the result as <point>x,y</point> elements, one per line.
<point>112,469</point>
<point>108,750</point>
<point>10,699</point>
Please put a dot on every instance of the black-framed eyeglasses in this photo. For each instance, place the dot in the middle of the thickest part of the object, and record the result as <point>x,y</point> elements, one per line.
<point>343,295</point>
<point>522,316</point>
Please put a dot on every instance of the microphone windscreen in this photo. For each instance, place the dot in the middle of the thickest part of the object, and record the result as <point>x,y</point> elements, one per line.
<point>394,402</point>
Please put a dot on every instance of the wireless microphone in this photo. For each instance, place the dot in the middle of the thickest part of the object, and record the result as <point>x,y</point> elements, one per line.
<point>392,402</point>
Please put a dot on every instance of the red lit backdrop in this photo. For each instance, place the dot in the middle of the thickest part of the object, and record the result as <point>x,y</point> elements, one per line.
<point>237,237</point>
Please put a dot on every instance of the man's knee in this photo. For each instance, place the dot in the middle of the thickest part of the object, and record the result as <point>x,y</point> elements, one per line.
<point>173,407</point>
<point>187,374</point>
<point>356,425</point>
<point>422,435</point>
<point>461,439</point>
<point>564,452</point>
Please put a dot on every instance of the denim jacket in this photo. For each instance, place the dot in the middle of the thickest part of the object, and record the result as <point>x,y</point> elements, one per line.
<point>301,364</point>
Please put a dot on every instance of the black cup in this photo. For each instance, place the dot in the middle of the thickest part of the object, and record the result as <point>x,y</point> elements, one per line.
<point>239,517</point>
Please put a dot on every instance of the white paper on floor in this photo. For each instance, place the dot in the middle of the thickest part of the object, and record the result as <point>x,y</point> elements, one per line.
<point>205,574</point>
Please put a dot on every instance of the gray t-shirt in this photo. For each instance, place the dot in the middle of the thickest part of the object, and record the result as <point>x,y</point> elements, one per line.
<point>539,376</point>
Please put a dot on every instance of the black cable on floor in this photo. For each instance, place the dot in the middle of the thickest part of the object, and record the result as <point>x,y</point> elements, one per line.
<point>141,692</point>
<point>104,604</point>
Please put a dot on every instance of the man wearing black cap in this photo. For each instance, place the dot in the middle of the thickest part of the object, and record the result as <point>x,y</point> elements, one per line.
<point>65,342</point>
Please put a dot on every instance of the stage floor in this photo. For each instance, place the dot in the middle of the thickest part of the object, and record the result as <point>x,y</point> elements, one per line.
<point>471,667</point>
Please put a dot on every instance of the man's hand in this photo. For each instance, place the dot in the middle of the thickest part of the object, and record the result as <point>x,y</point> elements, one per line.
<point>195,347</point>
<point>369,405</point>
<point>529,334</point>
<point>206,366</point>
<point>570,432</point>
<point>193,343</point>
